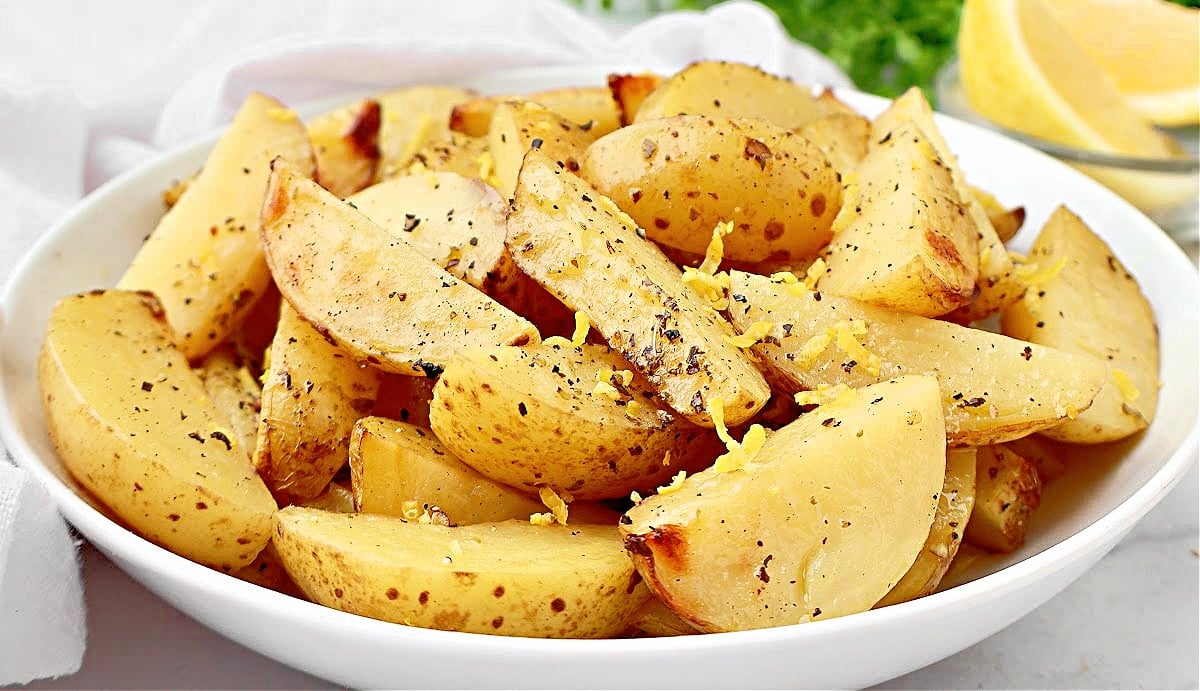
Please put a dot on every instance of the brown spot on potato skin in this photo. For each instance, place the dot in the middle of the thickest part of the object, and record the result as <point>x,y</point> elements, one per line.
<point>557,604</point>
<point>497,622</point>
<point>392,593</point>
<point>773,230</point>
<point>817,205</point>
<point>499,591</point>
<point>423,598</point>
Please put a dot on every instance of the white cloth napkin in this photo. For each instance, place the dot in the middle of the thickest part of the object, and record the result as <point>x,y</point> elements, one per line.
<point>89,89</point>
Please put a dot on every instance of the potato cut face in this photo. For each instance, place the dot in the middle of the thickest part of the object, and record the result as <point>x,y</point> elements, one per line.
<point>902,239</point>
<point>821,522</point>
<point>994,388</point>
<point>312,395</point>
<point>1091,304</point>
<point>591,108</point>
<point>734,90</point>
<point>629,90</point>
<point>141,434</point>
<point>457,153</point>
<point>456,222</point>
<point>372,294</point>
<point>1007,492</point>
<point>996,284</point>
<point>398,469</point>
<point>679,177</point>
<point>411,118</point>
<point>234,391</point>
<point>589,254</point>
<point>571,418</point>
<point>842,137</point>
<point>508,578</point>
<point>346,144</point>
<point>946,534</point>
<point>518,126</point>
<point>204,261</point>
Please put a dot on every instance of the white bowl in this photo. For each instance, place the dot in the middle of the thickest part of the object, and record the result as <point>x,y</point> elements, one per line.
<point>1083,516</point>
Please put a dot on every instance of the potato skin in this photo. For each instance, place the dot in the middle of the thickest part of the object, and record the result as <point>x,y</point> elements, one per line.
<point>529,418</point>
<point>140,434</point>
<point>508,579</point>
<point>680,176</point>
<point>1007,492</point>
<point>518,126</point>
<point>346,144</point>
<point>592,108</point>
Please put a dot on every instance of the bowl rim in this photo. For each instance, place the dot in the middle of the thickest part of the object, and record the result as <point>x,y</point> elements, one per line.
<point>948,80</point>
<point>129,547</point>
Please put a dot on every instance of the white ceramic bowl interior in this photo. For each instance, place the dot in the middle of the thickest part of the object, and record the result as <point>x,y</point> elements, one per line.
<point>1083,515</point>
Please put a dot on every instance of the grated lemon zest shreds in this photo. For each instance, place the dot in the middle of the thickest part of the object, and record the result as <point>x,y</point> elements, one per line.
<point>666,461</point>
<point>738,453</point>
<point>814,347</point>
<point>554,502</point>
<point>282,114</point>
<point>847,341</point>
<point>716,410</point>
<point>785,277</point>
<point>675,485</point>
<point>1125,385</point>
<point>800,290</point>
<point>606,390</point>
<point>635,407</point>
<point>823,395</point>
<point>541,519</point>
<point>752,335</point>
<point>606,375</point>
<point>715,251</point>
<point>816,271</point>
<point>1032,274</point>
<point>709,287</point>
<point>582,325</point>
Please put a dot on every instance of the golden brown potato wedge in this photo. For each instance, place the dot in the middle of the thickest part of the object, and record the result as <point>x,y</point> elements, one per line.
<point>996,285</point>
<point>203,261</point>
<point>142,436</point>
<point>1007,491</point>
<point>842,137</point>
<point>346,144</point>
<point>234,390</point>
<point>589,254</point>
<point>518,126</point>
<point>397,469</point>
<point>902,239</point>
<point>570,418</point>
<point>1083,300</point>
<point>994,388</point>
<point>1006,222</point>
<point>1047,455</point>
<point>254,335</point>
<point>679,177</point>
<point>821,522</point>
<point>312,394</point>
<point>457,153</point>
<point>591,108</point>
<point>370,293</point>
<point>411,118</point>
<point>509,578</point>
<point>268,572</point>
<point>337,497</point>
<point>734,90</point>
<point>946,534</point>
<point>629,90</point>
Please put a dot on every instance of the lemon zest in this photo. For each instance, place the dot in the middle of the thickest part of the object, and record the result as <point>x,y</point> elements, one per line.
<point>557,504</point>
<point>824,394</point>
<point>814,347</point>
<point>816,271</point>
<point>1032,274</point>
<point>752,335</point>
<point>738,453</point>
<point>675,485</point>
<point>784,277</point>
<point>1125,385</point>
<point>847,341</point>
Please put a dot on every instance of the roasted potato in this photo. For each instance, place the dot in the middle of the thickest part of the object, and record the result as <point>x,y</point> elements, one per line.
<point>994,388</point>
<point>518,126</point>
<point>590,254</point>
<point>457,153</point>
<point>142,436</point>
<point>369,293</point>
<point>629,90</point>
<point>1007,491</point>
<point>411,118</point>
<point>404,398</point>
<point>820,522</point>
<point>946,534</point>
<point>204,261</point>
<point>234,391</point>
<point>510,578</point>
<point>346,144</point>
<point>734,90</point>
<point>679,177</point>
<point>1047,455</point>
<point>337,497</point>
<point>656,619</point>
<point>902,239</point>
<point>573,418</point>
<point>591,108</point>
<point>312,394</point>
<point>1082,300</point>
<point>842,137</point>
<point>1006,222</point>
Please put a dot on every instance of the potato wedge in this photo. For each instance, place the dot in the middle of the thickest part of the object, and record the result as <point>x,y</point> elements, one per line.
<point>1084,301</point>
<point>589,254</point>
<point>337,497</point>
<point>656,619</point>
<point>346,144</point>
<point>1048,456</point>
<point>820,523</point>
<point>371,294</point>
<point>253,336</point>
<point>946,534</point>
<point>734,90</point>
<point>1006,222</point>
<point>571,418</point>
<point>456,222</point>
<point>842,137</point>
<point>234,391</point>
<point>404,398</point>
<point>510,578</point>
<point>629,90</point>
<point>518,126</point>
<point>411,118</point>
<point>996,285</point>
<point>902,239</point>
<point>678,177</point>
<point>994,388</point>
<point>268,572</point>
<point>457,153</point>
<point>312,394</point>
<point>591,108</point>
<point>142,436</point>
<point>396,468</point>
<point>1007,491</point>
<point>203,261</point>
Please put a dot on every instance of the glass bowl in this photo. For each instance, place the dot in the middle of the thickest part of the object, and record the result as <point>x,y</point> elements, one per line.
<point>1165,189</point>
